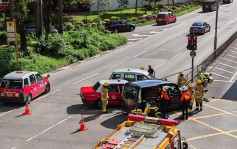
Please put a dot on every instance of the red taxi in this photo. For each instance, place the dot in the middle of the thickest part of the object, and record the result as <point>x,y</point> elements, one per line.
<point>165,18</point>
<point>18,86</point>
<point>91,94</point>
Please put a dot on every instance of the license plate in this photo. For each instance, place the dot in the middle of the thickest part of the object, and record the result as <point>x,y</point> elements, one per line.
<point>195,28</point>
<point>9,94</point>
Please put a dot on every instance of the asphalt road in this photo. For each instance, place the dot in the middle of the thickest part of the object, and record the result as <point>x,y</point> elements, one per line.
<point>55,117</point>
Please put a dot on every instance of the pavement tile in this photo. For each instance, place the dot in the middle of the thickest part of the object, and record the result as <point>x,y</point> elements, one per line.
<point>215,142</point>
<point>224,122</point>
<point>190,129</point>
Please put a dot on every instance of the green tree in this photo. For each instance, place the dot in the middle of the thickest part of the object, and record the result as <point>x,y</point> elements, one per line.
<point>123,4</point>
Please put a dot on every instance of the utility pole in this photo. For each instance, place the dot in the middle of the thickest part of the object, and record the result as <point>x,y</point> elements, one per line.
<point>39,18</point>
<point>11,10</point>
<point>60,14</point>
<point>215,38</point>
<point>99,14</point>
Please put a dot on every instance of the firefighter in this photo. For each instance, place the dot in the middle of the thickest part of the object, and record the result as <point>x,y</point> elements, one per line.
<point>142,68</point>
<point>198,94</point>
<point>190,89</point>
<point>181,79</point>
<point>164,99</point>
<point>104,96</point>
<point>185,99</point>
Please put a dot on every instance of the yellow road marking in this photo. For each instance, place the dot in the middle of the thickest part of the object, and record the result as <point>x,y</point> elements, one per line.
<point>203,136</point>
<point>213,100</point>
<point>220,110</point>
<point>209,116</point>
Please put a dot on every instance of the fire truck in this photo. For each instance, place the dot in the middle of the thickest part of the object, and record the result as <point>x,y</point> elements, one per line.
<point>141,132</point>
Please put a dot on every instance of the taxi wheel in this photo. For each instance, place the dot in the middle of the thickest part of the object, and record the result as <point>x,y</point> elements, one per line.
<point>29,98</point>
<point>47,89</point>
<point>98,104</point>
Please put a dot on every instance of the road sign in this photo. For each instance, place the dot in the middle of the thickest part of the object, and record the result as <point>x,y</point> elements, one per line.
<point>10,35</point>
<point>192,53</point>
<point>11,39</point>
<point>5,5</point>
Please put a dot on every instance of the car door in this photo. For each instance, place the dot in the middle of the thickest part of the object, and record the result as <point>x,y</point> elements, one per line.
<point>114,94</point>
<point>33,86</point>
<point>41,83</point>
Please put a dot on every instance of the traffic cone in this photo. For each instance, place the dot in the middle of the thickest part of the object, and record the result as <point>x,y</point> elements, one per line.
<point>82,126</point>
<point>27,110</point>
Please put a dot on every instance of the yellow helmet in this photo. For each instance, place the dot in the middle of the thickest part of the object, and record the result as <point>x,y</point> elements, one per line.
<point>181,73</point>
<point>106,84</point>
<point>199,81</point>
<point>142,68</point>
<point>190,85</point>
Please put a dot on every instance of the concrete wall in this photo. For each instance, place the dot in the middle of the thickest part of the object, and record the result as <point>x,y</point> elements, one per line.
<point>132,4</point>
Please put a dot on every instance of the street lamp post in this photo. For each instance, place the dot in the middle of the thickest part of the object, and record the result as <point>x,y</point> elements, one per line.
<point>215,39</point>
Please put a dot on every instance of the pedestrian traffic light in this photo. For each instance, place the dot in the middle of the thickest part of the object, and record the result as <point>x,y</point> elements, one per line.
<point>192,43</point>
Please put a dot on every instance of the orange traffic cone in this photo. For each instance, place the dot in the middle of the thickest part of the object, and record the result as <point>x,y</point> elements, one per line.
<point>27,110</point>
<point>82,126</point>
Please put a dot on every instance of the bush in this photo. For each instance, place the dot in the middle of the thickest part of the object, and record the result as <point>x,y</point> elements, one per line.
<point>106,20</point>
<point>94,25</point>
<point>141,21</point>
<point>129,20</point>
<point>114,18</point>
<point>148,6</point>
<point>68,26</point>
<point>134,19</point>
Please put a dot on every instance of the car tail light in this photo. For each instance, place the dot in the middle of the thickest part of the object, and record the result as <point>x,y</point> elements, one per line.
<point>110,25</point>
<point>2,94</point>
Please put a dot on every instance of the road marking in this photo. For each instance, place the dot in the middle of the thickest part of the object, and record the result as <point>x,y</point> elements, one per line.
<point>231,55</point>
<point>13,148</point>
<point>7,112</point>
<point>224,70</point>
<point>233,51</point>
<point>137,35</point>
<point>154,32</point>
<point>48,129</point>
<point>203,136</point>
<point>223,81</point>
<point>159,66</point>
<point>160,44</point>
<point>85,78</point>
<point>233,77</point>
<point>176,55</point>
<point>220,110</point>
<point>141,53</point>
<point>46,95</point>
<point>229,60</point>
<point>220,75</point>
<point>228,65</point>
<point>118,64</point>
<point>134,39</point>
<point>209,116</point>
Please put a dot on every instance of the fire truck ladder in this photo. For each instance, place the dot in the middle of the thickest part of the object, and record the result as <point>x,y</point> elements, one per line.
<point>130,142</point>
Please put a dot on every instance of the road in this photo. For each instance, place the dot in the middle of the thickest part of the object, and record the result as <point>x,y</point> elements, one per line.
<point>55,117</point>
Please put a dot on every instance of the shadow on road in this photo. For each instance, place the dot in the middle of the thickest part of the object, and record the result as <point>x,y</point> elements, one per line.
<point>231,94</point>
<point>114,121</point>
<point>5,107</point>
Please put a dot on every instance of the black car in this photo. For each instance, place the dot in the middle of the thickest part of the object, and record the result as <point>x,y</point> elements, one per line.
<point>200,28</point>
<point>119,26</point>
<point>209,5</point>
<point>227,1</point>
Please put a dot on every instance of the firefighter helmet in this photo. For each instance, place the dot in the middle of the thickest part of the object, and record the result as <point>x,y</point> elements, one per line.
<point>190,85</point>
<point>106,84</point>
<point>181,73</point>
<point>142,68</point>
<point>199,81</point>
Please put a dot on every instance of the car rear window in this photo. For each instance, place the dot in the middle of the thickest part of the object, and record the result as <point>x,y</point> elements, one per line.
<point>14,84</point>
<point>161,15</point>
<point>96,86</point>
<point>197,24</point>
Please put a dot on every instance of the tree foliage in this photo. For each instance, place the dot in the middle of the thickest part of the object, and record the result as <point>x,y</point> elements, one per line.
<point>123,4</point>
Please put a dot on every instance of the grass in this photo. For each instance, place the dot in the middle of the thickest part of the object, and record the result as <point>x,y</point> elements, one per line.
<point>188,10</point>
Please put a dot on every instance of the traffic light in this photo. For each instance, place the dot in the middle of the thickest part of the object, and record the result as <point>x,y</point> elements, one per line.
<point>192,43</point>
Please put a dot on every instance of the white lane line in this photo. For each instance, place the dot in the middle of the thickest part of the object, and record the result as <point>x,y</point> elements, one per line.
<point>160,44</point>
<point>220,75</point>
<point>48,129</point>
<point>233,51</point>
<point>137,35</point>
<point>176,55</point>
<point>228,65</point>
<point>13,148</point>
<point>141,53</point>
<point>233,77</point>
<point>223,81</point>
<point>46,95</point>
<point>132,39</point>
<point>229,60</point>
<point>231,55</point>
<point>154,32</point>
<point>118,64</point>
<point>85,78</point>
<point>224,70</point>
<point>7,112</point>
<point>159,66</point>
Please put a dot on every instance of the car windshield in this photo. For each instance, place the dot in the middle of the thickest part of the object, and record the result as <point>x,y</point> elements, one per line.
<point>197,24</point>
<point>96,86</point>
<point>14,84</point>
<point>150,76</point>
<point>161,15</point>
<point>130,91</point>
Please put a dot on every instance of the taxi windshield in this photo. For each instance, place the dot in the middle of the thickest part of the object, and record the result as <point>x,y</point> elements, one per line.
<point>14,84</point>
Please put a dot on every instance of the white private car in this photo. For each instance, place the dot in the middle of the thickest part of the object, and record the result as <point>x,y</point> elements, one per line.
<point>131,75</point>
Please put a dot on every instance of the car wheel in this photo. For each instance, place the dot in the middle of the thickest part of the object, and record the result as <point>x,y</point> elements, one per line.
<point>29,98</point>
<point>132,29</point>
<point>209,29</point>
<point>98,104</point>
<point>166,22</point>
<point>47,89</point>
<point>116,30</point>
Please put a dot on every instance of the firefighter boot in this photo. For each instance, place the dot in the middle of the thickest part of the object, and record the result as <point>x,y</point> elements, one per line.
<point>190,111</point>
<point>197,106</point>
